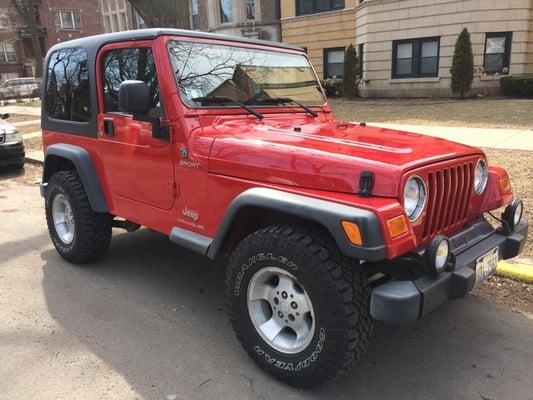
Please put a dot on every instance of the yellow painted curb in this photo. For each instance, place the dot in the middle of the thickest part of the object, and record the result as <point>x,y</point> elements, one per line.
<point>522,272</point>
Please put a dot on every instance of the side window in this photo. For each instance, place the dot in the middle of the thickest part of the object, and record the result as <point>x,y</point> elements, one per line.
<point>129,64</point>
<point>67,88</point>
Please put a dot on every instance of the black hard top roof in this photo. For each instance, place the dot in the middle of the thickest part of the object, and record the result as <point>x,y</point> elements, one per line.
<point>97,41</point>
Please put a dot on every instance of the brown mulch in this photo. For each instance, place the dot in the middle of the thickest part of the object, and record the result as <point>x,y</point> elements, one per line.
<point>515,294</point>
<point>519,165</point>
<point>14,118</point>
<point>35,143</point>
<point>477,113</point>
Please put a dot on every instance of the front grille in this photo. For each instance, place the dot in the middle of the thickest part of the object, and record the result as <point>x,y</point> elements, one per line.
<point>450,190</point>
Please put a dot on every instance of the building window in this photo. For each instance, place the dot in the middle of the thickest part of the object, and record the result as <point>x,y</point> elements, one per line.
<point>304,7</point>
<point>249,9</point>
<point>415,58</point>
<point>66,20</point>
<point>68,95</point>
<point>115,16</point>
<point>195,15</point>
<point>333,62</point>
<point>7,52</point>
<point>497,52</point>
<point>4,21</point>
<point>226,10</point>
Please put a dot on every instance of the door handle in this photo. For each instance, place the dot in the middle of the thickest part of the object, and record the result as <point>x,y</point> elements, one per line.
<point>109,127</point>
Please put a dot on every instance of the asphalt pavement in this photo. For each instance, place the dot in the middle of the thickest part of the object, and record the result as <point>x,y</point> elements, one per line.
<point>148,321</point>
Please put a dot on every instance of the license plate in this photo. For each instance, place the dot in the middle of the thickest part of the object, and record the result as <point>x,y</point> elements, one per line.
<point>486,265</point>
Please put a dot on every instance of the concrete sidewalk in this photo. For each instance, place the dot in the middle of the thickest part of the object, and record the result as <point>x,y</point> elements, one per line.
<point>25,110</point>
<point>516,139</point>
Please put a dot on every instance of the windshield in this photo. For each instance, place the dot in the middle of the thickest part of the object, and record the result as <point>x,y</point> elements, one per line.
<point>242,74</point>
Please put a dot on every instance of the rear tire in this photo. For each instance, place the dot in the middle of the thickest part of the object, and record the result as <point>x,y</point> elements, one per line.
<point>339,320</point>
<point>78,232</point>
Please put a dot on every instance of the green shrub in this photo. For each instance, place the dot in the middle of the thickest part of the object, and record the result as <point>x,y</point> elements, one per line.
<point>351,73</point>
<point>517,85</point>
<point>462,69</point>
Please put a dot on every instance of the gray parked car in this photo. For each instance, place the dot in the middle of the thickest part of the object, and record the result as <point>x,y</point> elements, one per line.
<point>19,88</point>
<point>11,145</point>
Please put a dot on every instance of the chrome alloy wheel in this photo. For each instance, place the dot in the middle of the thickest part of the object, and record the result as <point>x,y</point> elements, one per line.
<point>63,218</point>
<point>280,310</point>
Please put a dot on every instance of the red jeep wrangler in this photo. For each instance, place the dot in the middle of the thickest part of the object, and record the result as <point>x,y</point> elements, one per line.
<point>228,146</point>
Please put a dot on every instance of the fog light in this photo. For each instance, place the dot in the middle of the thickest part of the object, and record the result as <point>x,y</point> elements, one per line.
<point>513,214</point>
<point>438,254</point>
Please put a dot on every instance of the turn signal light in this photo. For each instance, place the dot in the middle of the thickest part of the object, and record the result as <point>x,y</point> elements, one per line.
<point>505,184</point>
<point>353,232</point>
<point>397,226</point>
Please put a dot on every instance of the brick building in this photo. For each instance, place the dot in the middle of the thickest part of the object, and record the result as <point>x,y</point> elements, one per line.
<point>119,15</point>
<point>249,18</point>
<point>59,20</point>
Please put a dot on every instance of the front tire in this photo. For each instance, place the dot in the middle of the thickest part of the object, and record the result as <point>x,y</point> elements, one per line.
<point>278,271</point>
<point>78,232</point>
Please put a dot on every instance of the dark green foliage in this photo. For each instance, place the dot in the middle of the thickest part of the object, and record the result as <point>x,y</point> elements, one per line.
<point>351,74</point>
<point>462,65</point>
<point>518,85</point>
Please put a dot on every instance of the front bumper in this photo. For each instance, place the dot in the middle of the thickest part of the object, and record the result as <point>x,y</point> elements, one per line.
<point>11,154</point>
<point>406,301</point>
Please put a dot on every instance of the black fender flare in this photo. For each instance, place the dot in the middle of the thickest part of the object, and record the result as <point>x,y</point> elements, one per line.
<point>326,213</point>
<point>81,159</point>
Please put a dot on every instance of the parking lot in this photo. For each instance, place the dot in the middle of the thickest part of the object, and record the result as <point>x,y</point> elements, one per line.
<point>149,321</point>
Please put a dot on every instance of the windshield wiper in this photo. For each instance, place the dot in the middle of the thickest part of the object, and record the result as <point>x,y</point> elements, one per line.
<point>223,99</point>
<point>285,100</point>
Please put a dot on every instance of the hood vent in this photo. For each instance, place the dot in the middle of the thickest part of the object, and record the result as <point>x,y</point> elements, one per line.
<point>366,183</point>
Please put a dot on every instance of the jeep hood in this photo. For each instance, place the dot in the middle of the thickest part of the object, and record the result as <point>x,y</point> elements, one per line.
<point>324,155</point>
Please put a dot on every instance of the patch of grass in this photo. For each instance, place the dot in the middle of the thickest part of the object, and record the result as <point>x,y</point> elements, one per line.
<point>519,165</point>
<point>476,113</point>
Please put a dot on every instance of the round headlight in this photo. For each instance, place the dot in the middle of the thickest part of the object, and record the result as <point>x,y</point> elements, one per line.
<point>481,176</point>
<point>513,214</point>
<point>438,254</point>
<point>517,213</point>
<point>414,197</point>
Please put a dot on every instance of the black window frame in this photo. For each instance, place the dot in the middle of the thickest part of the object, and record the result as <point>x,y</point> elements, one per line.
<point>325,52</point>
<point>149,51</point>
<point>46,90</point>
<point>416,57</point>
<point>506,54</point>
<point>316,10</point>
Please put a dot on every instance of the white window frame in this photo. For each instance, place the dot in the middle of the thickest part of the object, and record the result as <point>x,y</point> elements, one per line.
<point>5,15</point>
<point>3,49</point>
<point>61,24</point>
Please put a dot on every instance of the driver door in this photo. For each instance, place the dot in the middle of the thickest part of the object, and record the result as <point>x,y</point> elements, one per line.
<point>138,166</point>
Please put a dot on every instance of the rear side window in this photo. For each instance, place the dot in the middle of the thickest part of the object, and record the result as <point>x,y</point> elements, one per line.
<point>68,95</point>
<point>129,64</point>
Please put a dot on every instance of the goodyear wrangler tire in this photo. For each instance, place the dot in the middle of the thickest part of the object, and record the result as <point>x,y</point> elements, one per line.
<point>299,307</point>
<point>78,232</point>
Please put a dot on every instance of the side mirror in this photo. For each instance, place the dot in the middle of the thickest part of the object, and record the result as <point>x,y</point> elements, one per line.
<point>134,97</point>
<point>4,116</point>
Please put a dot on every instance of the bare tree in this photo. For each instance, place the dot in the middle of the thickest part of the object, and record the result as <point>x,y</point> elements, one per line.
<point>26,12</point>
<point>164,13</point>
